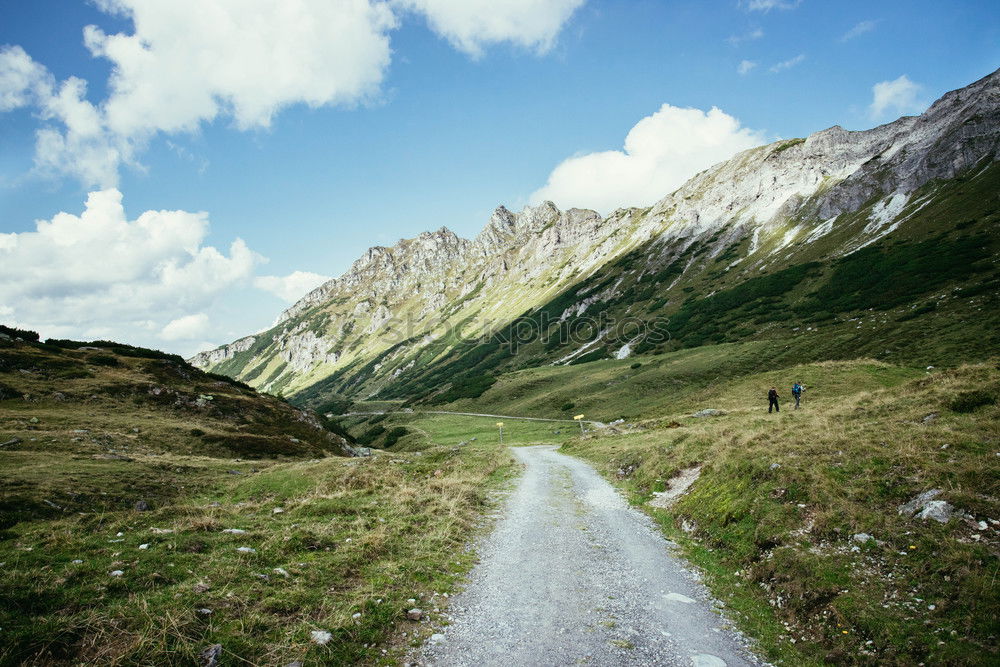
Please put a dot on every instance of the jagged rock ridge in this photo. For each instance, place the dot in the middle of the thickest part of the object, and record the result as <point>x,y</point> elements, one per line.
<point>792,198</point>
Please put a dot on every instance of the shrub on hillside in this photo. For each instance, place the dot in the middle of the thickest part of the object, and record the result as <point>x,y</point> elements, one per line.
<point>967,401</point>
<point>23,334</point>
<point>369,436</point>
<point>7,392</point>
<point>393,436</point>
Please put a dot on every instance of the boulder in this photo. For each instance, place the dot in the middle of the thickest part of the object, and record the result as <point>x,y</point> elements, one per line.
<point>919,502</point>
<point>938,510</point>
<point>709,412</point>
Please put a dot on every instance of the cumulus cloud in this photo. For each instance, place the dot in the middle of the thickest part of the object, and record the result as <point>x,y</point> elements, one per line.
<point>188,327</point>
<point>788,64</point>
<point>858,30</point>
<point>101,272</point>
<point>189,62</point>
<point>292,287</point>
<point>900,96</point>
<point>20,78</point>
<point>745,66</point>
<point>661,152</point>
<point>471,25</point>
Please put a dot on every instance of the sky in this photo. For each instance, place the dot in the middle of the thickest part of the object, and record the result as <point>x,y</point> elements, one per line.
<point>174,174</point>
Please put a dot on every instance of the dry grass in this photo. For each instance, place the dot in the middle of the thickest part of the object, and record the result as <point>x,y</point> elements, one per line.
<point>781,496</point>
<point>356,536</point>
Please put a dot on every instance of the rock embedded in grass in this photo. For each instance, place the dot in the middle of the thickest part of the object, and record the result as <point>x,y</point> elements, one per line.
<point>919,502</point>
<point>938,510</point>
<point>321,637</point>
<point>415,614</point>
<point>211,654</point>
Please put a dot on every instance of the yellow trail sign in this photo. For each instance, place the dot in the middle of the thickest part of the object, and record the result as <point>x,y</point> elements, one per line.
<point>578,417</point>
<point>500,424</point>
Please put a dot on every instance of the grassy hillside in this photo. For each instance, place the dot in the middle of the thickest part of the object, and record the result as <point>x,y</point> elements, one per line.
<point>100,427</point>
<point>123,476</point>
<point>650,386</point>
<point>773,517</point>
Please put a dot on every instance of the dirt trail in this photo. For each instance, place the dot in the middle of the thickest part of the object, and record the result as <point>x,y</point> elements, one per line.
<point>573,575</point>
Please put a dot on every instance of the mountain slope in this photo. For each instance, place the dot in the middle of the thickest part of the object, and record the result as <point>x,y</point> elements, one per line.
<point>87,426</point>
<point>786,228</point>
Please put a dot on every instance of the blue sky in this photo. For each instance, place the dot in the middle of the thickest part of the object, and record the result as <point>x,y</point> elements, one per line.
<point>312,146</point>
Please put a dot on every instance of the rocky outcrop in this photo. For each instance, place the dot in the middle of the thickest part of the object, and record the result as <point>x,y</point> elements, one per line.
<point>220,354</point>
<point>301,351</point>
<point>837,171</point>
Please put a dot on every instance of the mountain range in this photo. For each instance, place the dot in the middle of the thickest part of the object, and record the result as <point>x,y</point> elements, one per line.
<point>843,243</point>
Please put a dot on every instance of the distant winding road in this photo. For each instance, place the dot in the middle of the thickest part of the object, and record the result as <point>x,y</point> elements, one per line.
<point>573,575</point>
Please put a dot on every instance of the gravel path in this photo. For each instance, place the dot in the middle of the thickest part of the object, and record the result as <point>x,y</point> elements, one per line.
<point>573,575</point>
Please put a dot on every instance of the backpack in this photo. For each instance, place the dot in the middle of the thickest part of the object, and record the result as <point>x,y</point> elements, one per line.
<point>796,389</point>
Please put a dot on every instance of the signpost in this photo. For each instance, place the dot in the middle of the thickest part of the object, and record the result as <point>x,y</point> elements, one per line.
<point>579,418</point>
<point>500,426</point>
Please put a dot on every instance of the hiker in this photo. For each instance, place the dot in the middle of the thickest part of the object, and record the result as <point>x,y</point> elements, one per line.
<point>772,401</point>
<point>797,390</point>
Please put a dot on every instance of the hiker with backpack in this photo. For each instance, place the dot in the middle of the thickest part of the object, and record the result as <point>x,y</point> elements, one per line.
<point>772,400</point>
<point>797,390</point>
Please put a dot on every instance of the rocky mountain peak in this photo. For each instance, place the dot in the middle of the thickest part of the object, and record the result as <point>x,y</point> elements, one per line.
<point>782,198</point>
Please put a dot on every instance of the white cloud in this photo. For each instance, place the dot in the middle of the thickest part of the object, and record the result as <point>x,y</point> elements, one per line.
<point>751,36</point>
<point>899,96</point>
<point>193,61</point>
<point>768,5</point>
<point>788,64</point>
<point>188,327</point>
<point>189,62</point>
<point>661,152</point>
<point>99,271</point>
<point>745,66</point>
<point>292,287</point>
<point>20,78</point>
<point>858,30</point>
<point>471,25</point>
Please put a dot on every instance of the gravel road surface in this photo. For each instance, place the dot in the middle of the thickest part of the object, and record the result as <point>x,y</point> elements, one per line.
<point>573,575</point>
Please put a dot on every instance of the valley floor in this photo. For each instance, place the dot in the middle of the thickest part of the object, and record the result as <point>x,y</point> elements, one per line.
<point>797,523</point>
<point>800,521</point>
